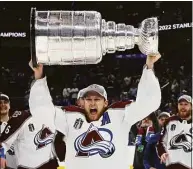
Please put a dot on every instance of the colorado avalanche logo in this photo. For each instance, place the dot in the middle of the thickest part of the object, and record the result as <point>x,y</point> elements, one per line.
<point>92,142</point>
<point>182,141</point>
<point>43,137</point>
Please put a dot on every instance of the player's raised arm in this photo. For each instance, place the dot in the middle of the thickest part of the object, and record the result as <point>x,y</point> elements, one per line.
<point>148,94</point>
<point>39,93</point>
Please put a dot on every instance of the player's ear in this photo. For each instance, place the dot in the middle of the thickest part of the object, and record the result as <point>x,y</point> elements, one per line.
<point>106,103</point>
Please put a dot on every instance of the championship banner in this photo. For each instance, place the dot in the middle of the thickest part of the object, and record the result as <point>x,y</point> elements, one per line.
<point>175,26</point>
<point>13,34</point>
<point>161,28</point>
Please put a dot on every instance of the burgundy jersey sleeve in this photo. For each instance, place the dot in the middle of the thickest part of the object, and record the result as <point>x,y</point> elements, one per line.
<point>14,127</point>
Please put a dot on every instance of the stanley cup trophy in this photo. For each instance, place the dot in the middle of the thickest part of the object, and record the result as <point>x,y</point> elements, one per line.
<point>83,37</point>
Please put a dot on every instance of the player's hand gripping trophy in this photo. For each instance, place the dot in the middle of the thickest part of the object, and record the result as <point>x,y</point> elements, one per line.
<point>83,37</point>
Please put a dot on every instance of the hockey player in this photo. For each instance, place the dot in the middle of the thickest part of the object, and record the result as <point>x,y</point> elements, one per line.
<point>33,130</point>
<point>175,145</point>
<point>4,117</point>
<point>97,136</point>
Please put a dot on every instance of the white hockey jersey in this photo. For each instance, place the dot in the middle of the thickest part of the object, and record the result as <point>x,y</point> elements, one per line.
<point>176,140</point>
<point>34,130</point>
<point>10,154</point>
<point>104,143</point>
<point>2,126</point>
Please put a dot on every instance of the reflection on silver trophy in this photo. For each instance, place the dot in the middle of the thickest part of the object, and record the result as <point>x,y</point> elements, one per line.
<point>83,37</point>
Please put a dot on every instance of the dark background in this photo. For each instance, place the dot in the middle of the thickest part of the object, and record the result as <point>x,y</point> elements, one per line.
<point>15,16</point>
<point>174,45</point>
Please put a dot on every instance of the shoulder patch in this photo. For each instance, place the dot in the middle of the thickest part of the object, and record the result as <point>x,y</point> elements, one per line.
<point>120,104</point>
<point>15,123</point>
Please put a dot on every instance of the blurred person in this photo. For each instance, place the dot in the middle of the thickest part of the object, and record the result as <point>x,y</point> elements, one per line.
<point>73,93</point>
<point>4,107</point>
<point>151,159</point>
<point>162,117</point>
<point>124,96</point>
<point>97,136</point>
<point>65,102</point>
<point>183,84</point>
<point>175,144</point>
<point>133,89</point>
<point>175,86</point>
<point>169,108</point>
<point>66,92</point>
<point>80,99</point>
<point>127,81</point>
<point>9,155</point>
<point>146,128</point>
<point>58,100</point>
<point>144,132</point>
<point>33,131</point>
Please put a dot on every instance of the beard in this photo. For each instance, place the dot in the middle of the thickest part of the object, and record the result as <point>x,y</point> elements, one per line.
<point>95,116</point>
<point>185,114</point>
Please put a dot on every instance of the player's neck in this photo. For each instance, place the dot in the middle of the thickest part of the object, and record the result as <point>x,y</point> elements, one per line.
<point>4,117</point>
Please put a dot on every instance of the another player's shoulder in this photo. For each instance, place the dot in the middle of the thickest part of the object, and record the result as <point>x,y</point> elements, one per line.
<point>172,119</point>
<point>120,104</point>
<point>19,117</point>
<point>72,109</point>
<point>21,114</point>
<point>15,123</point>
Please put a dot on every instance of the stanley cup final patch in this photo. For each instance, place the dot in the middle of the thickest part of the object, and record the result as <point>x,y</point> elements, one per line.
<point>31,127</point>
<point>173,127</point>
<point>78,123</point>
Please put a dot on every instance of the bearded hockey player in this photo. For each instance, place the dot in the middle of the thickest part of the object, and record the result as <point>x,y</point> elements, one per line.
<point>96,135</point>
<point>175,145</point>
